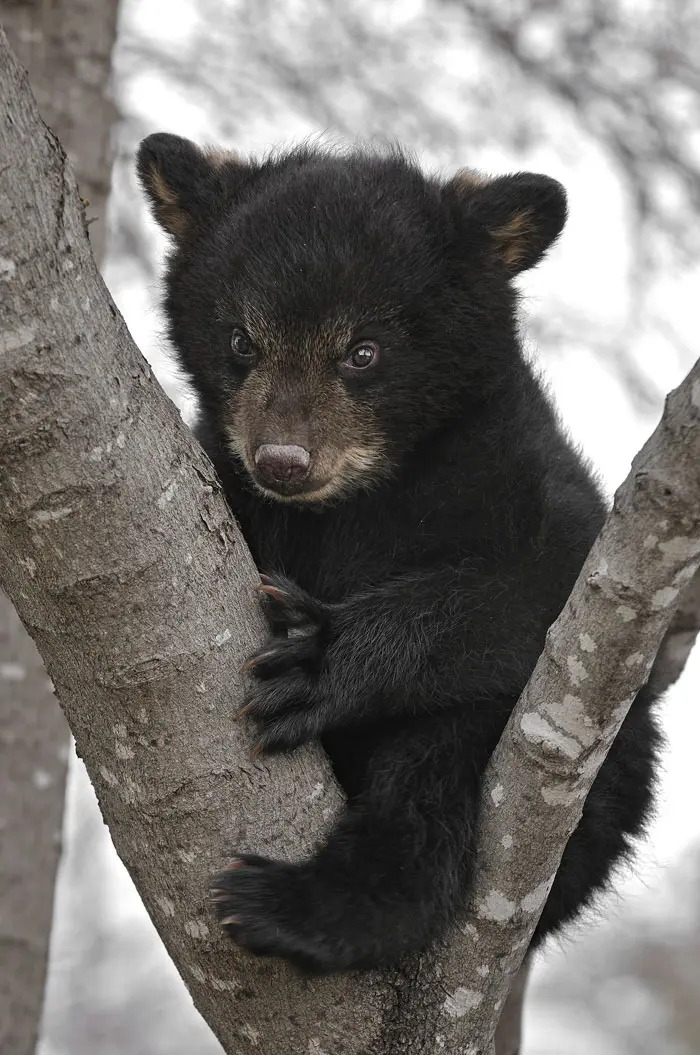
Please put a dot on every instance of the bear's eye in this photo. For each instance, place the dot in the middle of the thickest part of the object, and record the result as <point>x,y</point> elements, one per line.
<point>242,346</point>
<point>362,356</point>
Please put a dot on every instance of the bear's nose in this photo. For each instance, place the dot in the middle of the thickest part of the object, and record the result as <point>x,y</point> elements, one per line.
<point>282,463</point>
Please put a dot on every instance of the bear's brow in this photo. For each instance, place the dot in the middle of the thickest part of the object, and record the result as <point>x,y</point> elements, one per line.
<point>333,330</point>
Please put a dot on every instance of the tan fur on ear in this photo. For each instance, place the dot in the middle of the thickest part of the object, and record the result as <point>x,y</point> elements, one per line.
<point>218,158</point>
<point>469,180</point>
<point>185,184</point>
<point>512,238</point>
<point>514,218</point>
<point>165,203</point>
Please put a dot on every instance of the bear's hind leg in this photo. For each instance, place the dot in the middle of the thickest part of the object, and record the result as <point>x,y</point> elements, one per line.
<point>389,878</point>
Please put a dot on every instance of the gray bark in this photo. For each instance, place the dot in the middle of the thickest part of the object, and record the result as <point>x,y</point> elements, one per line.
<point>34,746</point>
<point>66,47</point>
<point>509,1031</point>
<point>679,638</point>
<point>596,657</point>
<point>124,563</point>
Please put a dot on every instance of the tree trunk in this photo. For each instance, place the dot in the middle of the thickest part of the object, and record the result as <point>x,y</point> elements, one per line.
<point>66,46</point>
<point>124,562</point>
<point>34,747</point>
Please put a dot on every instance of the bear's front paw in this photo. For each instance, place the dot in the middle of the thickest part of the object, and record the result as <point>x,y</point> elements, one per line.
<point>288,607</point>
<point>285,702</point>
<point>265,907</point>
<point>286,712</point>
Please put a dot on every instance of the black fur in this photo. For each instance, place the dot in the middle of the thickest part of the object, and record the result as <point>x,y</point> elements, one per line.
<point>418,594</point>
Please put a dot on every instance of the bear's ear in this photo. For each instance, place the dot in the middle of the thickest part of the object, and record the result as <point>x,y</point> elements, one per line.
<point>522,214</point>
<point>182,181</point>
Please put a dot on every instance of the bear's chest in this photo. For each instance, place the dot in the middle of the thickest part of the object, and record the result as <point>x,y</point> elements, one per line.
<point>330,554</point>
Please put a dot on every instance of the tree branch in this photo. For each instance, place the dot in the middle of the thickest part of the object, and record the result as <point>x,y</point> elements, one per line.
<point>123,561</point>
<point>597,656</point>
<point>66,46</point>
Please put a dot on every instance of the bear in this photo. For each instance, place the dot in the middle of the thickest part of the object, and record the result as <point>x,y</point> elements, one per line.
<point>351,328</point>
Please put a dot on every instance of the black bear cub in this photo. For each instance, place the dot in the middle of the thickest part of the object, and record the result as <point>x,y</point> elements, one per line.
<point>350,327</point>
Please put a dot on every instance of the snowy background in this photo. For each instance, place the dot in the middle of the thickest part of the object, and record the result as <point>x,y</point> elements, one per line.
<point>605,98</point>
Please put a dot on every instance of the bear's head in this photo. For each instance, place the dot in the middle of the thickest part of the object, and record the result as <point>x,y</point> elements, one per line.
<point>334,310</point>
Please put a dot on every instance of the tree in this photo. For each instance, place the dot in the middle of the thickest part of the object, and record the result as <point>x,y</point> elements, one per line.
<point>67,48</point>
<point>127,568</point>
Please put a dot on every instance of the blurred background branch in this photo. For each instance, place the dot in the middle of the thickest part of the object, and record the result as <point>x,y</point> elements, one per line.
<point>66,47</point>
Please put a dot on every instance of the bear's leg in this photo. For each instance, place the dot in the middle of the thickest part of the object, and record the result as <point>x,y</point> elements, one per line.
<point>390,876</point>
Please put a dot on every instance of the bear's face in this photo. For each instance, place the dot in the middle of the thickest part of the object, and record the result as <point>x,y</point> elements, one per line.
<point>325,306</point>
